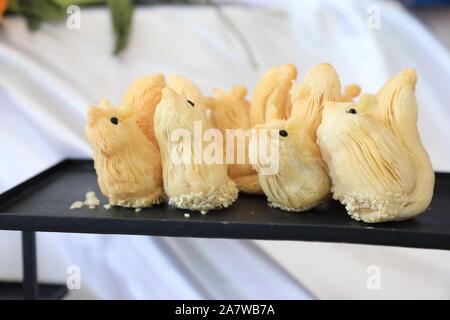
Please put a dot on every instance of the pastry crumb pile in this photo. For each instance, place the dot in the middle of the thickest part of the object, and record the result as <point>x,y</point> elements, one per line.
<point>91,201</point>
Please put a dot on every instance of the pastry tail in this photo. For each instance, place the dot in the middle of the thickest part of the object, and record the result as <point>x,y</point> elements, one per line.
<point>398,111</point>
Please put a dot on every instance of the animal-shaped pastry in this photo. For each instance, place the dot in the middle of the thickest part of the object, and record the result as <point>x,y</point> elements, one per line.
<point>232,111</point>
<point>189,181</point>
<point>321,84</point>
<point>144,95</point>
<point>378,166</point>
<point>127,163</point>
<point>272,90</point>
<point>301,181</point>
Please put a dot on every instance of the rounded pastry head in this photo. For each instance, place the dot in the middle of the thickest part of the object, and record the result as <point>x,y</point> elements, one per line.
<point>286,131</point>
<point>349,111</point>
<point>108,128</point>
<point>347,119</point>
<point>290,134</point>
<point>176,112</point>
<point>340,112</point>
<point>186,88</point>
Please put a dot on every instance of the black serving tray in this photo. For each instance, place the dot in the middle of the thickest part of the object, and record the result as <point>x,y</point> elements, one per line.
<point>42,204</point>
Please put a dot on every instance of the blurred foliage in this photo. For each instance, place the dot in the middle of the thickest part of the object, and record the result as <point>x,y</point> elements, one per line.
<point>38,11</point>
<point>121,12</point>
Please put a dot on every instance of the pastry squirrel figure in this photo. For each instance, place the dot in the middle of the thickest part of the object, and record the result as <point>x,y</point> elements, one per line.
<point>189,180</point>
<point>230,110</point>
<point>378,166</point>
<point>127,163</point>
<point>301,181</point>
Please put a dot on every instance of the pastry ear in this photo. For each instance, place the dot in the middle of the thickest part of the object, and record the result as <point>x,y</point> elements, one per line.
<point>367,103</point>
<point>93,114</point>
<point>239,91</point>
<point>351,91</point>
<point>293,124</point>
<point>104,104</point>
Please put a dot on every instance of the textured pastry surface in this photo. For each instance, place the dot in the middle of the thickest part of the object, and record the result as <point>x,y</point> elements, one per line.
<point>185,87</point>
<point>301,181</point>
<point>232,111</point>
<point>143,95</point>
<point>272,90</point>
<point>368,154</point>
<point>192,184</point>
<point>321,84</point>
<point>398,111</point>
<point>127,163</point>
<point>379,168</point>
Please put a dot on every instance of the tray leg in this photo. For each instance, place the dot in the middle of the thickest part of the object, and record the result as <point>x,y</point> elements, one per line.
<point>29,289</point>
<point>30,285</point>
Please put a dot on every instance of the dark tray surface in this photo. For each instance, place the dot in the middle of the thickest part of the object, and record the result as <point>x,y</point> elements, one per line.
<point>42,204</point>
<point>13,291</point>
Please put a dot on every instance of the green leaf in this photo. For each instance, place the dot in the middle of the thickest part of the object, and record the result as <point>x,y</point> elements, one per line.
<point>121,13</point>
<point>33,23</point>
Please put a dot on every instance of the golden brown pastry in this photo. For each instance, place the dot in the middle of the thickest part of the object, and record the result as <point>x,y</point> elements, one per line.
<point>127,163</point>
<point>321,84</point>
<point>398,111</point>
<point>191,92</point>
<point>189,182</point>
<point>231,111</point>
<point>143,95</point>
<point>378,166</point>
<point>301,181</point>
<point>272,90</point>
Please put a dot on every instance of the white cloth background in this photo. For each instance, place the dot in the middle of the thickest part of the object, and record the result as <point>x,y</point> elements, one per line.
<point>47,79</point>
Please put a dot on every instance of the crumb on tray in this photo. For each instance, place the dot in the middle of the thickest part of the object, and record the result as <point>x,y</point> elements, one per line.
<point>77,205</point>
<point>91,201</point>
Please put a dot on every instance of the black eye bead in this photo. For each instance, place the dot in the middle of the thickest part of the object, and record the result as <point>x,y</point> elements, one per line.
<point>114,120</point>
<point>283,133</point>
<point>352,111</point>
<point>191,103</point>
